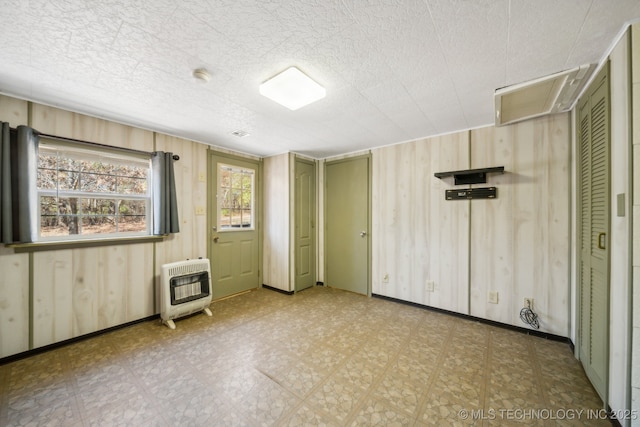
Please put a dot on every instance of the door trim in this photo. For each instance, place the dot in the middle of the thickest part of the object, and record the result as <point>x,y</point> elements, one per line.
<point>368,157</point>
<point>212,203</point>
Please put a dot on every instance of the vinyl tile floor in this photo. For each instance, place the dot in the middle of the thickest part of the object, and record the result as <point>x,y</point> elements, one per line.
<point>321,357</point>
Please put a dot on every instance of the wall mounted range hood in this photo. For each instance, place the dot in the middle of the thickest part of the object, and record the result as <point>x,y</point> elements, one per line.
<point>547,95</point>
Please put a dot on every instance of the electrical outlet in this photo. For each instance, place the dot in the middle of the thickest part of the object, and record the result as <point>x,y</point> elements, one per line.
<point>528,303</point>
<point>202,177</point>
<point>430,286</point>
<point>385,278</point>
<point>492,297</point>
<point>199,210</point>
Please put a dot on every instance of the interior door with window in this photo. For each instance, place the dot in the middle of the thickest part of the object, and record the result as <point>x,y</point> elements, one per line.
<point>233,234</point>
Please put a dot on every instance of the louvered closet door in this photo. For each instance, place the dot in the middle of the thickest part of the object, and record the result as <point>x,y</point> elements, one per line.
<point>594,141</point>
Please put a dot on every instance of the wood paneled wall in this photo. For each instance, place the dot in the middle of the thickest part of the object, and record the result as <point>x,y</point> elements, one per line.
<point>14,302</point>
<point>417,235</point>
<point>520,242</point>
<point>191,187</point>
<point>78,291</point>
<point>517,244</point>
<point>14,268</point>
<point>277,221</point>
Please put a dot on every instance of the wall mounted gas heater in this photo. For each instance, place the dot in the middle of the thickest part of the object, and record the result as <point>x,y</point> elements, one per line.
<point>185,289</point>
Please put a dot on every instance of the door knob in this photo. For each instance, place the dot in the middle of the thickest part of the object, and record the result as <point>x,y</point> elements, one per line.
<point>363,233</point>
<point>215,239</point>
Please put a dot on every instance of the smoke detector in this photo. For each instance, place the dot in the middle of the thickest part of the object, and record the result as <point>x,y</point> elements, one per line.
<point>552,94</point>
<point>202,74</point>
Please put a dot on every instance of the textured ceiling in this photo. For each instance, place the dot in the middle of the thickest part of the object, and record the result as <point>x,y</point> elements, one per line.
<point>394,70</point>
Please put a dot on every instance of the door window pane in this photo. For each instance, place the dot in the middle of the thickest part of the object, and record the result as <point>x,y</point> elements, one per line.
<point>235,197</point>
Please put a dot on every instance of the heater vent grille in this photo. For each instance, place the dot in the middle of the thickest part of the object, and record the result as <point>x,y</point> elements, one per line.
<point>185,289</point>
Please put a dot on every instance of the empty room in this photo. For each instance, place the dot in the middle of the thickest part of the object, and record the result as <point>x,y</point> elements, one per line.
<point>306,213</point>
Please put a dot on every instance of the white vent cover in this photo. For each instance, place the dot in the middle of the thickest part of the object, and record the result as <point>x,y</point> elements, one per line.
<point>547,95</point>
<point>185,288</point>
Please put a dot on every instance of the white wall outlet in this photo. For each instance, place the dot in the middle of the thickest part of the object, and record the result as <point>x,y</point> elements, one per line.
<point>385,278</point>
<point>528,303</point>
<point>492,297</point>
<point>430,286</point>
<point>199,210</point>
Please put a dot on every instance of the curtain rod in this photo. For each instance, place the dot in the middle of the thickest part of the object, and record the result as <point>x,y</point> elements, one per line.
<point>97,144</point>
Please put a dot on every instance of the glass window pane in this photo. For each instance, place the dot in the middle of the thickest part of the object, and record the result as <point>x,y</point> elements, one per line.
<point>93,166</point>
<point>68,206</point>
<point>98,207</point>
<point>53,226</point>
<point>132,207</point>
<point>48,205</point>
<point>246,182</point>
<point>69,164</point>
<point>132,223</point>
<point>47,179</point>
<point>134,171</point>
<point>246,199</point>
<point>225,178</point>
<point>127,185</point>
<point>236,198</point>
<point>68,180</point>
<point>97,183</point>
<point>246,218</point>
<point>98,224</point>
<point>70,224</point>
<point>225,199</point>
<point>48,160</point>
<point>236,217</point>
<point>225,218</point>
<point>236,180</point>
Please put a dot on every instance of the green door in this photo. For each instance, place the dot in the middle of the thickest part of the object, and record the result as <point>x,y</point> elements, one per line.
<point>347,248</point>
<point>594,205</point>
<point>233,234</point>
<point>305,232</point>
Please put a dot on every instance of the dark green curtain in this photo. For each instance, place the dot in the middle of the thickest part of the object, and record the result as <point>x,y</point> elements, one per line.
<point>18,191</point>
<point>165,204</point>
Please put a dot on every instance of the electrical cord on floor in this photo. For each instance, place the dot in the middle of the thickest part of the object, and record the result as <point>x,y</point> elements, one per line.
<point>529,317</point>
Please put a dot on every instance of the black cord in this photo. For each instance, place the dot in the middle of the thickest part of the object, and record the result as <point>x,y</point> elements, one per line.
<point>529,317</point>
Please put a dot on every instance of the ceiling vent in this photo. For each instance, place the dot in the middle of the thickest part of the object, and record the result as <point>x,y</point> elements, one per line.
<point>547,95</point>
<point>240,133</point>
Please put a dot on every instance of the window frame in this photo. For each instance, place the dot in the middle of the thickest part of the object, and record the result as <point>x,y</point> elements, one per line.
<point>93,152</point>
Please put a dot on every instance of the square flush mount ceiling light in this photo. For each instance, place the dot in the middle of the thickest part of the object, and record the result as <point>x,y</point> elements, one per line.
<point>292,88</point>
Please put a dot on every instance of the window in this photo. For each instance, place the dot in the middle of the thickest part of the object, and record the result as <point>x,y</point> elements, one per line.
<point>92,192</point>
<point>235,203</point>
